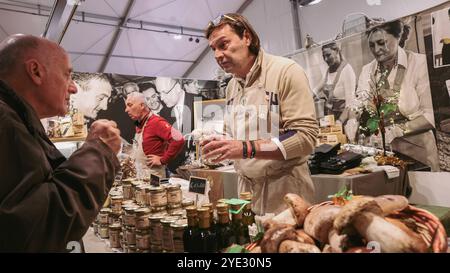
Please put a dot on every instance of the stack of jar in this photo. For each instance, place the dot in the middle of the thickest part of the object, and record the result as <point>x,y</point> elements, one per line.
<point>144,218</point>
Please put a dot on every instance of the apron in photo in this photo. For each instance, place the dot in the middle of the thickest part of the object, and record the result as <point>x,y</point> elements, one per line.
<point>333,105</point>
<point>142,169</point>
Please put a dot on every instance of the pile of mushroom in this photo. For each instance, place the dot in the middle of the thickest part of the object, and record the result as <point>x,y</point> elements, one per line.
<point>365,224</point>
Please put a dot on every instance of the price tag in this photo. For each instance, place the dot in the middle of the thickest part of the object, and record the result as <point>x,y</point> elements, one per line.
<point>155,180</point>
<point>197,185</point>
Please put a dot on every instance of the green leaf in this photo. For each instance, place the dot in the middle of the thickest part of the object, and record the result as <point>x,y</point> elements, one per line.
<point>372,124</point>
<point>388,108</point>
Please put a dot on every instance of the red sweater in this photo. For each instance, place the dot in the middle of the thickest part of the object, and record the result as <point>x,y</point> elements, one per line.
<point>161,139</point>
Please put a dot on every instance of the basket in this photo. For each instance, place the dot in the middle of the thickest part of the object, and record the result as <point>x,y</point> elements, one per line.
<point>422,221</point>
<point>427,225</point>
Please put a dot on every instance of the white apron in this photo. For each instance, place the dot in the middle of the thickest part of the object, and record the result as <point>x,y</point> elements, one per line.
<point>142,169</point>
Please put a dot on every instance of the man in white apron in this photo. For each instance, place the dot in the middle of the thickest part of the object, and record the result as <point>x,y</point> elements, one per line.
<point>270,117</point>
<point>155,142</point>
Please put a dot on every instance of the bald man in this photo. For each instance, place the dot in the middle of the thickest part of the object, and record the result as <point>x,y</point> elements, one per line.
<point>157,142</point>
<point>46,200</point>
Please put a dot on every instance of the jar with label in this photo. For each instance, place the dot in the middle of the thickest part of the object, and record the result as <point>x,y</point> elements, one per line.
<point>114,235</point>
<point>113,218</point>
<point>129,216</point>
<point>158,197</point>
<point>156,248</point>
<point>141,219</point>
<point>103,231</point>
<point>131,235</point>
<point>116,203</point>
<point>155,229</point>
<point>167,237</point>
<point>178,228</point>
<point>174,195</point>
<point>134,190</point>
<point>126,189</point>
<point>143,239</point>
<point>103,216</point>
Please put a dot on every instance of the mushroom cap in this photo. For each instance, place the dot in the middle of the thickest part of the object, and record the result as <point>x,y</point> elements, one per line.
<point>391,203</point>
<point>274,236</point>
<point>302,237</point>
<point>353,209</point>
<point>319,222</point>
<point>298,206</point>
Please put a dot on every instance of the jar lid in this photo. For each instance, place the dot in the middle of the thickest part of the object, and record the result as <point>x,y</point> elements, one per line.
<point>222,207</point>
<point>245,196</point>
<point>127,180</point>
<point>142,211</point>
<point>156,189</point>
<point>115,226</point>
<point>174,206</point>
<point>156,217</point>
<point>172,187</point>
<point>203,212</point>
<point>105,210</point>
<point>117,197</point>
<point>136,183</point>
<point>179,225</point>
<point>191,210</point>
<point>207,205</point>
<point>131,209</point>
<point>187,202</point>
<point>168,220</point>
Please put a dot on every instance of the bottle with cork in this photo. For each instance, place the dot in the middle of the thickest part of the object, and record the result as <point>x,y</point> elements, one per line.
<point>248,216</point>
<point>212,221</point>
<point>207,240</point>
<point>191,233</point>
<point>239,230</point>
<point>225,237</point>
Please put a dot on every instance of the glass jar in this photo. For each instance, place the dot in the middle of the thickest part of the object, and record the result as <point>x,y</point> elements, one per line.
<point>141,219</point>
<point>134,190</point>
<point>145,195</point>
<point>158,197</point>
<point>95,226</point>
<point>116,204</point>
<point>167,237</point>
<point>103,231</point>
<point>156,248</point>
<point>159,210</point>
<point>174,195</point>
<point>175,210</point>
<point>178,228</point>
<point>156,229</point>
<point>131,236</point>
<point>113,218</point>
<point>126,189</point>
<point>103,216</point>
<point>131,249</point>
<point>114,235</point>
<point>129,218</point>
<point>143,239</point>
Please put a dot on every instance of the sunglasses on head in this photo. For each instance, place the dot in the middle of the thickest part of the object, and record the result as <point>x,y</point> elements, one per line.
<point>219,19</point>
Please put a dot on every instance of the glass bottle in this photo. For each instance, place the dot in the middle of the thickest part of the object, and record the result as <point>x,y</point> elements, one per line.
<point>212,221</point>
<point>225,236</point>
<point>239,230</point>
<point>191,233</point>
<point>207,239</point>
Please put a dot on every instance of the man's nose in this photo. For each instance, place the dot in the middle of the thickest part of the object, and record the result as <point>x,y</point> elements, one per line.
<point>72,87</point>
<point>218,54</point>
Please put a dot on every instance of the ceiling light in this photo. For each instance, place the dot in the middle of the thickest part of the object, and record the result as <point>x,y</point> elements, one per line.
<point>304,3</point>
<point>177,37</point>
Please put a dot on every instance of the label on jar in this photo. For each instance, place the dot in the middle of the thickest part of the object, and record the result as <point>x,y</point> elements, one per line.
<point>143,241</point>
<point>167,242</point>
<point>114,238</point>
<point>174,196</point>
<point>142,222</point>
<point>103,218</point>
<point>158,199</point>
<point>131,237</point>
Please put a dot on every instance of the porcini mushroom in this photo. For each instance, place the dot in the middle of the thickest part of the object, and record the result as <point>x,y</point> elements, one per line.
<point>274,236</point>
<point>296,212</point>
<point>363,214</point>
<point>319,222</point>
<point>391,203</point>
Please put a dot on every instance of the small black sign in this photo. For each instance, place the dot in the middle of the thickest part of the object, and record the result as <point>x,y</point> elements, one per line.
<point>197,185</point>
<point>155,180</point>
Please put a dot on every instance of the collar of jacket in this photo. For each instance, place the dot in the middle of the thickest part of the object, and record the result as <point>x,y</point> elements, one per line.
<point>140,123</point>
<point>254,72</point>
<point>21,107</point>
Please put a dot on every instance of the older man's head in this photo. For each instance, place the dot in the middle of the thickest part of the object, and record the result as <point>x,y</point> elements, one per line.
<point>136,106</point>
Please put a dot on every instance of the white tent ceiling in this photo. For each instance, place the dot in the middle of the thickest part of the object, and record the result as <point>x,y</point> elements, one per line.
<point>145,44</point>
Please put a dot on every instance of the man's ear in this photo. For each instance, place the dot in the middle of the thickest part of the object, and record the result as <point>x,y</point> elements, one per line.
<point>35,71</point>
<point>247,38</point>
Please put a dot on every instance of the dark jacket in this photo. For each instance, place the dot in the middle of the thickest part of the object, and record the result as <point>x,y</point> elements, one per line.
<point>46,200</point>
